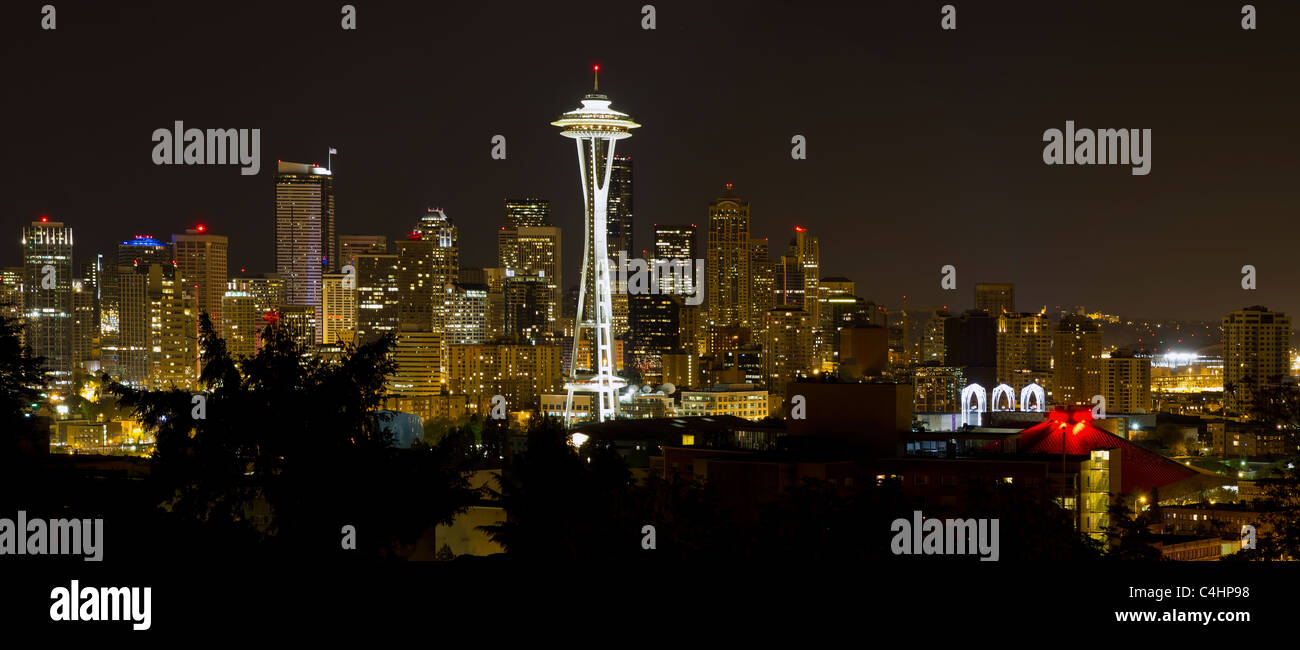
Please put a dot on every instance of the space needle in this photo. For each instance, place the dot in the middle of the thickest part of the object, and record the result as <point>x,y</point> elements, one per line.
<point>595,127</point>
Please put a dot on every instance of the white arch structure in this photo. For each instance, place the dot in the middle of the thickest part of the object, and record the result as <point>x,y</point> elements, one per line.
<point>1035,391</point>
<point>981,402</point>
<point>1003,389</point>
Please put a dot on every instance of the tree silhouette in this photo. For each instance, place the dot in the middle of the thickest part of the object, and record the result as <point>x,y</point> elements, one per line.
<point>22,387</point>
<point>1128,535</point>
<point>291,449</point>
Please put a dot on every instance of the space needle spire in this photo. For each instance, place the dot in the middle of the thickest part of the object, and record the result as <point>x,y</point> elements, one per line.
<point>595,127</point>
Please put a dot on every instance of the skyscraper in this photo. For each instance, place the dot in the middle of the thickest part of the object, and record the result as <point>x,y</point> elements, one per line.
<point>729,252</point>
<point>201,263</point>
<point>241,321</point>
<point>467,315</point>
<point>933,349</point>
<point>532,251</point>
<point>653,331</point>
<point>675,241</point>
<point>47,296</point>
<point>173,337</point>
<point>527,212</point>
<point>377,296</point>
<point>428,264</point>
<point>971,343</point>
<point>1256,354</point>
<point>762,286</point>
<point>143,250</point>
<point>799,273</point>
<point>305,247</point>
<point>595,128</point>
<point>530,308</point>
<point>995,297</point>
<point>620,222</point>
<point>1076,360</point>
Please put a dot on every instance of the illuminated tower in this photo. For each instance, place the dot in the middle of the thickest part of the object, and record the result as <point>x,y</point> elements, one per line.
<point>595,127</point>
<point>305,247</point>
<point>47,296</point>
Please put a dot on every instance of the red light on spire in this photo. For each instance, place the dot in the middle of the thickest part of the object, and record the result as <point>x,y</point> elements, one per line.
<point>595,68</point>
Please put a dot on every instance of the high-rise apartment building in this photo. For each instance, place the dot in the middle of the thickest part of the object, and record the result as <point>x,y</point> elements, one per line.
<point>729,253</point>
<point>418,354</point>
<point>787,348</point>
<point>173,335</point>
<point>1076,360</point>
<point>11,292</point>
<point>1126,382</point>
<point>241,321</point>
<point>1256,354</point>
<point>762,286</point>
<point>520,373</point>
<point>338,307</point>
<point>1024,350</point>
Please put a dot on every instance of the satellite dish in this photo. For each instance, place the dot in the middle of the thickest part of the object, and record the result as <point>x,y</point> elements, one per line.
<point>668,389</point>
<point>646,388</point>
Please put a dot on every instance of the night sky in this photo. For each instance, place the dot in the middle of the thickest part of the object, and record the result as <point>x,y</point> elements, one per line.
<point>924,146</point>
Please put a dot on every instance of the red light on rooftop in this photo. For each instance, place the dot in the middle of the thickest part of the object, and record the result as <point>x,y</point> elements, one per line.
<point>800,229</point>
<point>414,236</point>
<point>595,68</point>
<point>45,219</point>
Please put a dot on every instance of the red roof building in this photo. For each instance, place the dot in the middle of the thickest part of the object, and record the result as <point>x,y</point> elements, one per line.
<point>1142,470</point>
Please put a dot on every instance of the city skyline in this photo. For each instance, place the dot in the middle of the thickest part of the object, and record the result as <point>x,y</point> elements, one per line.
<point>910,173</point>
